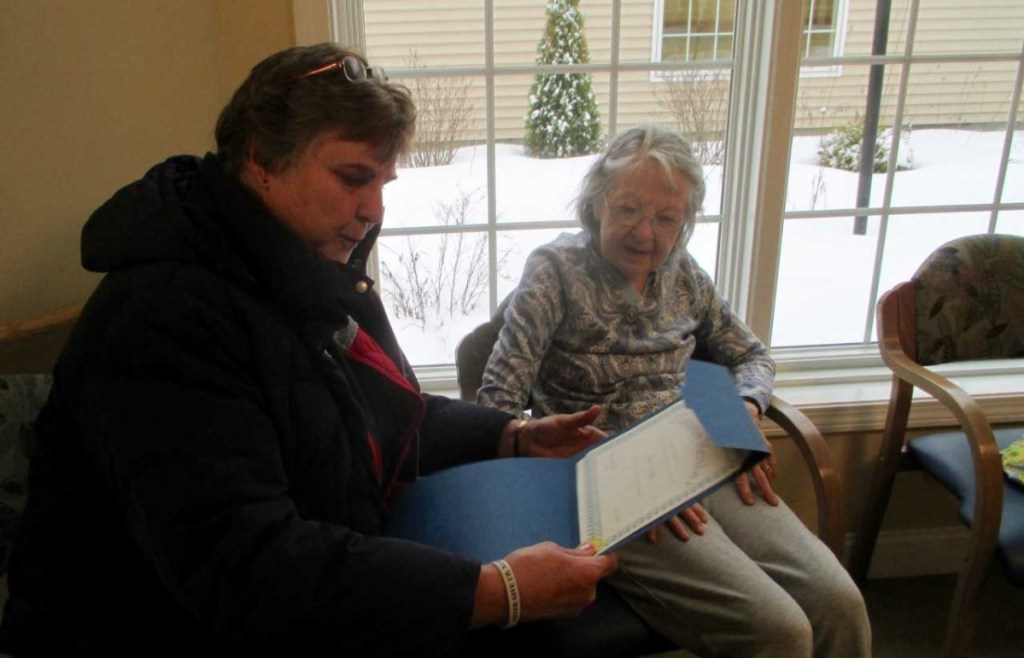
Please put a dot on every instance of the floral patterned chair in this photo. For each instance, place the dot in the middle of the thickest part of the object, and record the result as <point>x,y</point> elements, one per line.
<point>964,303</point>
<point>28,349</point>
<point>21,398</point>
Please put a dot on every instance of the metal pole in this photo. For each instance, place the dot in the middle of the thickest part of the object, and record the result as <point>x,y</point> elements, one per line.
<point>871,115</point>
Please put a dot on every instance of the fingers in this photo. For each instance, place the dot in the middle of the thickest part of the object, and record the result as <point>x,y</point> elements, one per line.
<point>678,528</point>
<point>652,535</point>
<point>743,488</point>
<point>561,435</point>
<point>764,473</point>
<point>580,419</point>
<point>763,479</point>
<point>753,410</point>
<point>695,517</point>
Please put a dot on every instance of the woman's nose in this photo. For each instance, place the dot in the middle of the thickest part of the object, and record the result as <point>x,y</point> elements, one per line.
<point>371,205</point>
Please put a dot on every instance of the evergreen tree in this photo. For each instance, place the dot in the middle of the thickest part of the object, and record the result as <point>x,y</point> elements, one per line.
<point>563,118</point>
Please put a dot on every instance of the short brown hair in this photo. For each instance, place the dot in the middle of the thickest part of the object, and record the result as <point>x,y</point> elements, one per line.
<point>276,112</point>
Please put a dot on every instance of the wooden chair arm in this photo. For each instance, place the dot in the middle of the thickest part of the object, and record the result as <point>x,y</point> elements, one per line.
<point>986,460</point>
<point>828,488</point>
<point>28,328</point>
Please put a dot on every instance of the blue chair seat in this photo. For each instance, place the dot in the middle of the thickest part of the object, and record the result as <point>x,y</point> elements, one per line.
<point>947,457</point>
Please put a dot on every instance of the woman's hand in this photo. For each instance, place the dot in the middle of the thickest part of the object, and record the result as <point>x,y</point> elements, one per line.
<point>562,435</point>
<point>694,516</point>
<point>552,582</point>
<point>763,473</point>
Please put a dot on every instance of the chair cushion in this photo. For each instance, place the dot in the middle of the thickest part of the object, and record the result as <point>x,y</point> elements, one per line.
<point>970,300</point>
<point>947,456</point>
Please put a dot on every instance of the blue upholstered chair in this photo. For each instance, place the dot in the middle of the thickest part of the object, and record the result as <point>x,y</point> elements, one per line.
<point>964,303</point>
<point>609,628</point>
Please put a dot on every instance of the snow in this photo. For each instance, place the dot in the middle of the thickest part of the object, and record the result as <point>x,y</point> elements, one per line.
<point>824,284</point>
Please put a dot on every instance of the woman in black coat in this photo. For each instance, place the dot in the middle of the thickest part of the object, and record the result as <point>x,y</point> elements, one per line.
<point>232,413</point>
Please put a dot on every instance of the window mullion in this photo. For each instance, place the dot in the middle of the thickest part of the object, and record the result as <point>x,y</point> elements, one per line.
<point>762,108</point>
<point>492,193</point>
<point>1011,123</point>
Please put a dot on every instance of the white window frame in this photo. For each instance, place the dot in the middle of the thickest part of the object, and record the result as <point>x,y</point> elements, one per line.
<point>841,389</point>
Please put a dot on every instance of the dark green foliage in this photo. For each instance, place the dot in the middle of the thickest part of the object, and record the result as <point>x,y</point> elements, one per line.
<point>563,118</point>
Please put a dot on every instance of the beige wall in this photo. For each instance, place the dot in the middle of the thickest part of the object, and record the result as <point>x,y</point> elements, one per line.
<point>93,94</point>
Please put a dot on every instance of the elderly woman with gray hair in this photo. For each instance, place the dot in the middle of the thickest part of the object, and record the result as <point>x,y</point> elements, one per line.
<point>611,316</point>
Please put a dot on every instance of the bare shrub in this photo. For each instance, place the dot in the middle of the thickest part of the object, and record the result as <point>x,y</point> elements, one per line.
<point>431,287</point>
<point>444,114</point>
<point>697,101</point>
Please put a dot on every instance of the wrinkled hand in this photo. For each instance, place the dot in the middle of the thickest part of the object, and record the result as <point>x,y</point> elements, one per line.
<point>558,582</point>
<point>763,473</point>
<point>562,435</point>
<point>694,516</point>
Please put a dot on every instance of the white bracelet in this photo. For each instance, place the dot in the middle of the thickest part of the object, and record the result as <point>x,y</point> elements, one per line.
<point>511,592</point>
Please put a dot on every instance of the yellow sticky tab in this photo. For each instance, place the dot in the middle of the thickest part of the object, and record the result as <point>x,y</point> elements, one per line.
<point>597,542</point>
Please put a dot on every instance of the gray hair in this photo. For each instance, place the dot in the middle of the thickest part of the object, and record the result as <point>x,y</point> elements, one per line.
<point>629,149</point>
<point>277,112</point>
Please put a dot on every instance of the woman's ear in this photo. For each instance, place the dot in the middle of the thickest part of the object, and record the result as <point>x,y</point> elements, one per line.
<point>253,173</point>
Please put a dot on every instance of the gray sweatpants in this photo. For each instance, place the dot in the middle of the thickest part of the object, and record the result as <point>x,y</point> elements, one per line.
<point>757,583</point>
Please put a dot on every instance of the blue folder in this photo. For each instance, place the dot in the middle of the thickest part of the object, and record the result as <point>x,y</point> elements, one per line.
<point>486,510</point>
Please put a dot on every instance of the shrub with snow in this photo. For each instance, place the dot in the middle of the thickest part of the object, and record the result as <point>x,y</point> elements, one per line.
<point>562,119</point>
<point>840,149</point>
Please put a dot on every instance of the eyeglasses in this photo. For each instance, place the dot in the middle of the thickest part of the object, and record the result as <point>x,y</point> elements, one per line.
<point>353,68</point>
<point>628,217</point>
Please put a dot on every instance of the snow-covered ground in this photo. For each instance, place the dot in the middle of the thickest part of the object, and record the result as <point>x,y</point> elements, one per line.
<point>825,266</point>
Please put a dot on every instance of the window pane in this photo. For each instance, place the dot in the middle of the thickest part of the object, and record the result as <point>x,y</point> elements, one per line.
<point>726,15</point>
<point>702,48</point>
<point>443,179</point>
<point>1011,222</point>
<point>677,16</point>
<point>568,124</point>
<point>435,290</point>
<point>398,29</point>
<point>821,44</point>
<point>513,249</point>
<point>704,244</point>
<point>824,282</point>
<point>703,16</point>
<point>981,27</point>
<point>725,46</point>
<point>673,49</point>
<point>961,161</point>
<point>824,170</point>
<point>1013,185</point>
<point>823,14</point>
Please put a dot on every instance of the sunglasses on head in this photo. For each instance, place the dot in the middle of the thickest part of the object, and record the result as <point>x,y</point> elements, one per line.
<point>353,68</point>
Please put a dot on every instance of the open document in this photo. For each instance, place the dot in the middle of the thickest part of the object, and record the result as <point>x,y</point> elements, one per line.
<point>624,486</point>
<point>605,495</point>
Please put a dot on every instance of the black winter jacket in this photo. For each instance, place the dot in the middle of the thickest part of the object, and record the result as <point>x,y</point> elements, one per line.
<point>211,473</point>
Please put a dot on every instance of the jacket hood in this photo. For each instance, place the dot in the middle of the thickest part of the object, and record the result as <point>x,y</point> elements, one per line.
<point>145,221</point>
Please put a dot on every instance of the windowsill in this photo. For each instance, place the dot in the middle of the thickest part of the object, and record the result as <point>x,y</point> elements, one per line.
<point>849,392</point>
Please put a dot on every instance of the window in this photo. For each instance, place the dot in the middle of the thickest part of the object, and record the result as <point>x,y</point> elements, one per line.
<point>703,30</point>
<point>945,115</point>
<point>779,240</point>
